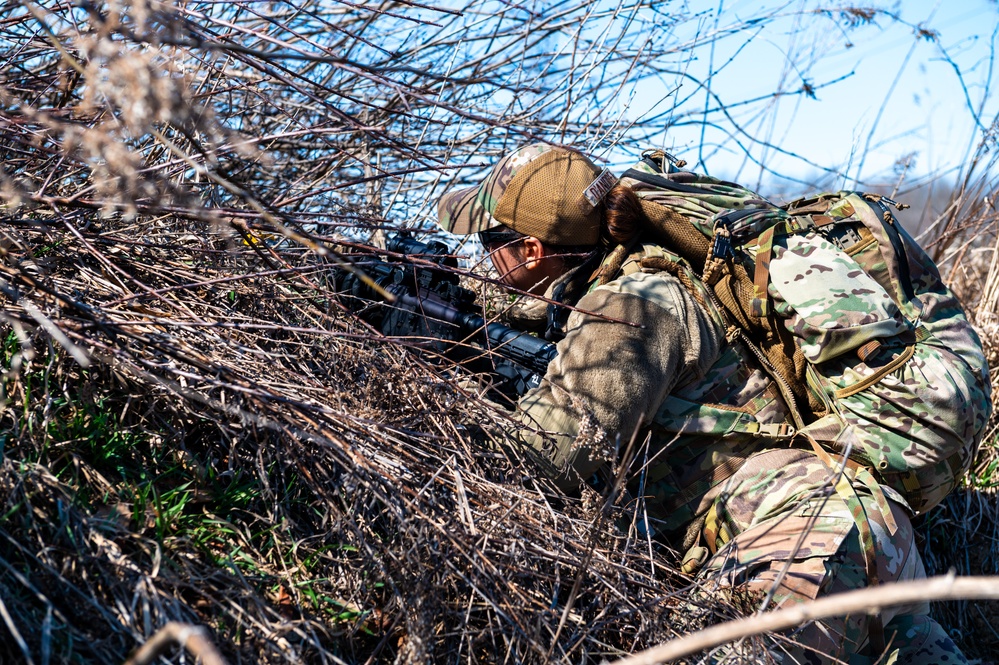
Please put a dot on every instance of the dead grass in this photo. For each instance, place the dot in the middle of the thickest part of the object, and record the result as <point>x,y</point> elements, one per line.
<point>306,495</point>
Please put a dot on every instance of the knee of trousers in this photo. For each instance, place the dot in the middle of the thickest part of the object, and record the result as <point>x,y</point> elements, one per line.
<point>811,550</point>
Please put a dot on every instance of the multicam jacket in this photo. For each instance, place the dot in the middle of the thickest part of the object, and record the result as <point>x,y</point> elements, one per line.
<point>643,359</point>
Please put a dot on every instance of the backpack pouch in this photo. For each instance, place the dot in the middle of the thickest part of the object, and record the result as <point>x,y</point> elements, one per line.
<point>919,424</point>
<point>828,302</point>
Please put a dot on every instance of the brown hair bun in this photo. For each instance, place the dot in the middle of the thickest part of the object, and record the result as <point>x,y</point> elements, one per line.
<point>624,215</point>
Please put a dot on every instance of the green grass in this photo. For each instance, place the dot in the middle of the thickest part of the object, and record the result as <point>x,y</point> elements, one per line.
<point>183,502</point>
<point>147,479</point>
<point>985,476</point>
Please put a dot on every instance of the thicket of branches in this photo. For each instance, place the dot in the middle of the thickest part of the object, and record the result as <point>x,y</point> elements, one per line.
<point>194,429</point>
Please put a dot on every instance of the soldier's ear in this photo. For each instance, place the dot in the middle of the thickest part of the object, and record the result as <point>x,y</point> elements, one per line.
<point>534,250</point>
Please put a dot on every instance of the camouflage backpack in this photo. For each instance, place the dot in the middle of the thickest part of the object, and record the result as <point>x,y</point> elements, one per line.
<point>847,313</point>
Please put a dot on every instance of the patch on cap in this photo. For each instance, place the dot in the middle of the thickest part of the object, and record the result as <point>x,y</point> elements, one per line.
<point>598,189</point>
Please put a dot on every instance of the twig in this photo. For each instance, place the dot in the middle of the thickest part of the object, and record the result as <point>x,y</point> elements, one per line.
<point>870,601</point>
<point>193,638</point>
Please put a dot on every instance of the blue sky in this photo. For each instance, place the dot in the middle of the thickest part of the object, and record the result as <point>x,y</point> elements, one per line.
<point>848,127</point>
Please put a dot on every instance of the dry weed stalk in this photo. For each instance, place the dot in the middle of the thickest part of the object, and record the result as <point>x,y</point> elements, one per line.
<point>193,638</point>
<point>861,600</point>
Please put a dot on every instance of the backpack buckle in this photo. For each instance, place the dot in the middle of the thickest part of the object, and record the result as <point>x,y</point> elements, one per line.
<point>775,431</point>
<point>663,161</point>
<point>694,559</point>
<point>721,241</point>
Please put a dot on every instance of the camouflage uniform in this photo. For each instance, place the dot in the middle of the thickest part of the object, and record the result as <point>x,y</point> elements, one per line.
<point>717,470</point>
<point>703,405</point>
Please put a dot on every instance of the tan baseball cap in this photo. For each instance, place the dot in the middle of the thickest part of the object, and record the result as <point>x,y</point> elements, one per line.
<point>547,192</point>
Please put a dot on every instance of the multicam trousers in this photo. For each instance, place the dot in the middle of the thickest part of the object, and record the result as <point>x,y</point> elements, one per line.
<point>796,540</point>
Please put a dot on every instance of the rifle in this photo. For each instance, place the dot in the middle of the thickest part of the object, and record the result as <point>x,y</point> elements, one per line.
<point>431,304</point>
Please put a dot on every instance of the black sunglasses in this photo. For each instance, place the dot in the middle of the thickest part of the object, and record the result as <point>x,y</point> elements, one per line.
<point>499,235</point>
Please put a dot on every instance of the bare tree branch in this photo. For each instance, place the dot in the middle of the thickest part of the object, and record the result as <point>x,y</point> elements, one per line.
<point>871,600</point>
